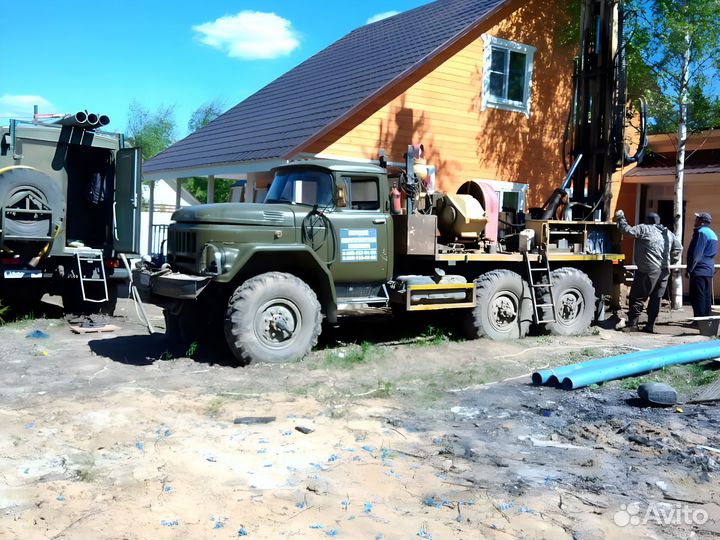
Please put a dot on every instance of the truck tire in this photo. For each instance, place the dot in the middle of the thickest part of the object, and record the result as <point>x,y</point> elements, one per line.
<point>574,296</point>
<point>22,298</point>
<point>16,180</point>
<point>503,307</point>
<point>181,326</point>
<point>273,317</point>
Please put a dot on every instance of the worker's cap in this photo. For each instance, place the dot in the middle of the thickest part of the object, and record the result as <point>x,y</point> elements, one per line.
<point>704,217</point>
<point>652,219</point>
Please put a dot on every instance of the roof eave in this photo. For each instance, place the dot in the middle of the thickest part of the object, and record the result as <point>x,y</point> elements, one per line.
<point>217,169</point>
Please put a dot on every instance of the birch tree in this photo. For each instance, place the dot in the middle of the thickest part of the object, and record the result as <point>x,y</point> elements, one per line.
<point>680,42</point>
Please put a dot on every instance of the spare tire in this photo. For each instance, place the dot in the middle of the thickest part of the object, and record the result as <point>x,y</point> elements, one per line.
<point>19,183</point>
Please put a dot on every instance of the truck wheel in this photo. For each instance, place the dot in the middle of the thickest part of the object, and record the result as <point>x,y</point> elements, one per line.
<point>181,326</point>
<point>574,296</point>
<point>503,307</point>
<point>273,317</point>
<point>22,298</point>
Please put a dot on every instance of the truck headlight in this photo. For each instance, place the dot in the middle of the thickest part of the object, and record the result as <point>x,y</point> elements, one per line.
<point>212,260</point>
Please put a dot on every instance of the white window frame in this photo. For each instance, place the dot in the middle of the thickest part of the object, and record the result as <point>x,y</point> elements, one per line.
<point>494,102</point>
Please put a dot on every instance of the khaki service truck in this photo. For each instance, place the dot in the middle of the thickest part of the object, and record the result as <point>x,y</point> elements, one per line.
<point>69,206</point>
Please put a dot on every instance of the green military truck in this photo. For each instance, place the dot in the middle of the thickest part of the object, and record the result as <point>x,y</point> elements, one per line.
<point>269,273</point>
<point>69,205</point>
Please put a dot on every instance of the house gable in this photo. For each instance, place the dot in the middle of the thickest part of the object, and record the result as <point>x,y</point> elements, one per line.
<point>443,110</point>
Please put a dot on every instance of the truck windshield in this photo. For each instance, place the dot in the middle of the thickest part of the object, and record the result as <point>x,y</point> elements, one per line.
<point>301,187</point>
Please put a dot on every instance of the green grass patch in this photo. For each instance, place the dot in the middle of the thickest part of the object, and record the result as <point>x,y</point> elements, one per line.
<point>306,390</point>
<point>215,407</point>
<point>192,349</point>
<point>351,356</point>
<point>386,388</point>
<point>433,336</point>
<point>581,355</point>
<point>85,471</point>
<point>683,378</point>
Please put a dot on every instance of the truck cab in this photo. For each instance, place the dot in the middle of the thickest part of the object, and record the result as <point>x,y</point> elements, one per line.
<point>347,224</point>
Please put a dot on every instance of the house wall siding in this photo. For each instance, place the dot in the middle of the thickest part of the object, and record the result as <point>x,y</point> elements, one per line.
<point>443,112</point>
<point>701,195</point>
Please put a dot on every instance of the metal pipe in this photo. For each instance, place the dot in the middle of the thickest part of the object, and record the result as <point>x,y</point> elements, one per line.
<point>103,120</point>
<point>635,363</point>
<point>92,119</point>
<point>136,295</point>
<point>74,120</point>
<point>571,172</point>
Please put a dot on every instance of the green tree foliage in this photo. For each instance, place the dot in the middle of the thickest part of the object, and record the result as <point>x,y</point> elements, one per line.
<point>703,112</point>
<point>153,131</point>
<point>201,117</point>
<point>568,34</point>
<point>678,46</point>
<point>197,186</point>
<point>205,114</point>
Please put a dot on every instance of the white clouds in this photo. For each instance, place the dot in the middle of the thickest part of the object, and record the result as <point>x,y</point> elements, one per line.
<point>381,16</point>
<point>249,35</point>
<point>22,106</point>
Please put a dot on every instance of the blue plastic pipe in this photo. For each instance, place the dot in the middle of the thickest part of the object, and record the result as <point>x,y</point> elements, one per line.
<point>556,375</point>
<point>626,365</point>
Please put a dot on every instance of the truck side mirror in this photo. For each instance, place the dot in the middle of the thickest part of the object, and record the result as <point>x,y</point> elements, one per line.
<point>340,197</point>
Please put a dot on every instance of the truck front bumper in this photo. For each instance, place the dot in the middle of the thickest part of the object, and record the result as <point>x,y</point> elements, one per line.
<point>172,285</point>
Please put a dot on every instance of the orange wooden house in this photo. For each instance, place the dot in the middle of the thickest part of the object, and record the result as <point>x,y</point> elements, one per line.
<point>484,85</point>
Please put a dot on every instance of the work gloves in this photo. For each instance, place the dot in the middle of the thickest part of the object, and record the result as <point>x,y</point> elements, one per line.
<point>619,214</point>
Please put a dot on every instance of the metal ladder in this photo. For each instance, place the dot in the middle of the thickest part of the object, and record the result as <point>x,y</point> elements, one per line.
<point>91,271</point>
<point>542,272</point>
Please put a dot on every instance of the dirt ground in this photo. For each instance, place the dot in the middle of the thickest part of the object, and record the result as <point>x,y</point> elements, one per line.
<point>117,435</point>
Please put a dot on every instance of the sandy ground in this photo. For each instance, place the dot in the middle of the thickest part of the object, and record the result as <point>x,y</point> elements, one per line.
<point>116,436</point>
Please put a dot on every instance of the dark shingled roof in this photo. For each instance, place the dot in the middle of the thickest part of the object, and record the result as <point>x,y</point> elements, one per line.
<point>326,87</point>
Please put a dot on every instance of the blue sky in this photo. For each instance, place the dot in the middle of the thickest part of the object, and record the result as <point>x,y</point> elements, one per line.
<point>71,55</point>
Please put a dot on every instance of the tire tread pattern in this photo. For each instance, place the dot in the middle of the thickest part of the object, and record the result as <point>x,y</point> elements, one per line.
<point>561,279</point>
<point>239,332</point>
<point>486,285</point>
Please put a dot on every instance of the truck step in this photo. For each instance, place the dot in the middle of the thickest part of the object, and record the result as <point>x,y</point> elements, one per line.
<point>362,300</point>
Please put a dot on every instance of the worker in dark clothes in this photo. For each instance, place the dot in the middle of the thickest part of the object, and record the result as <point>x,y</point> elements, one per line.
<point>701,264</point>
<point>656,248</point>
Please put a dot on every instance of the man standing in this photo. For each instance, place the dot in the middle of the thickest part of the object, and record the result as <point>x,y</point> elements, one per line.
<point>656,248</point>
<point>701,264</point>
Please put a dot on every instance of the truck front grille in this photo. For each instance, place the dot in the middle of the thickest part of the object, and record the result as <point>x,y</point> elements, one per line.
<point>182,243</point>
